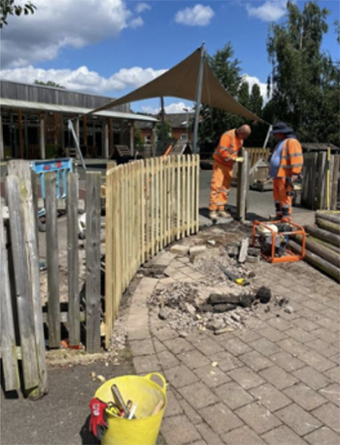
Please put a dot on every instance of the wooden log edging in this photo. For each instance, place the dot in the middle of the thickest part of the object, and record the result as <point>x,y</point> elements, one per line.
<point>320,250</point>
<point>327,225</point>
<point>320,263</point>
<point>331,216</point>
<point>324,235</point>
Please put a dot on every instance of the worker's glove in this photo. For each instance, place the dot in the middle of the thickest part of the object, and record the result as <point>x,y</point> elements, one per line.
<point>98,422</point>
<point>240,159</point>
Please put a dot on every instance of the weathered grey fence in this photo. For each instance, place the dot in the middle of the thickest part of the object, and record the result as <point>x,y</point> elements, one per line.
<point>319,189</point>
<point>22,317</point>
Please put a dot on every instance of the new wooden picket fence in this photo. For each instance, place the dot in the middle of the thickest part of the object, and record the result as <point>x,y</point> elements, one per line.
<point>314,185</point>
<point>149,204</point>
<point>22,334</point>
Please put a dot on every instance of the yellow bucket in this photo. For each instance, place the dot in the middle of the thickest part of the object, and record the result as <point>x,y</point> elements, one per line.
<point>146,394</point>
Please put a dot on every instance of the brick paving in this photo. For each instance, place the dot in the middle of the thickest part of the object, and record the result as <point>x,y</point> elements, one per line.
<point>274,382</point>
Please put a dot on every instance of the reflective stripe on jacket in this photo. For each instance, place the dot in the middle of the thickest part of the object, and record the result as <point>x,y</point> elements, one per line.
<point>291,159</point>
<point>228,147</point>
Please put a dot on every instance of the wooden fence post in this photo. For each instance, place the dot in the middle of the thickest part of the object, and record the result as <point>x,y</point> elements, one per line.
<point>73,258</point>
<point>23,171</point>
<point>93,300</point>
<point>54,336</point>
<point>242,186</point>
<point>22,285</point>
<point>8,344</point>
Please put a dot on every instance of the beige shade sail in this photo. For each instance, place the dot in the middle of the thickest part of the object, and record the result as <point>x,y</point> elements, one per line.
<point>181,81</point>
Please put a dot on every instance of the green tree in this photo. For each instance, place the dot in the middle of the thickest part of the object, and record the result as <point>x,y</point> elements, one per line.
<point>256,100</point>
<point>243,94</point>
<point>215,122</point>
<point>305,81</point>
<point>9,7</point>
<point>49,83</point>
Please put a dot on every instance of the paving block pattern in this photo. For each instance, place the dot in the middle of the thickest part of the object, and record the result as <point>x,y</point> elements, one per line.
<point>275,382</point>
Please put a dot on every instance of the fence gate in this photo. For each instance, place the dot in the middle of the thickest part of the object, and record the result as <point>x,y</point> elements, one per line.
<point>25,329</point>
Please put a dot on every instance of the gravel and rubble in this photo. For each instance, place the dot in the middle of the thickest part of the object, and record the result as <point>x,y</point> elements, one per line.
<point>214,301</point>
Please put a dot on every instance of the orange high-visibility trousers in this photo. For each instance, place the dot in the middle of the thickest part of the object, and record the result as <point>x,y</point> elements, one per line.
<point>283,198</point>
<point>220,185</point>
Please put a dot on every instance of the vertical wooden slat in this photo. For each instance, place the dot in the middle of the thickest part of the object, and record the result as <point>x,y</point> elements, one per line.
<point>321,183</point>
<point>335,180</point>
<point>173,199</point>
<point>93,300</point>
<point>152,205</point>
<point>109,270</point>
<point>52,260</point>
<point>197,191</point>
<point>23,171</point>
<point>147,208</point>
<point>157,206</point>
<point>142,208</point>
<point>8,344</point>
<point>178,196</point>
<point>22,287</point>
<point>73,258</point>
<point>118,238</point>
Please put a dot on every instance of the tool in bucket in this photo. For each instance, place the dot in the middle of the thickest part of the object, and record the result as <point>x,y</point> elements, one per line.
<point>149,399</point>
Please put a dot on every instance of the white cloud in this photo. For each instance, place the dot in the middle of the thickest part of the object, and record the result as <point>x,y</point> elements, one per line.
<point>141,7</point>
<point>82,79</point>
<point>39,37</point>
<point>254,80</point>
<point>176,107</point>
<point>199,15</point>
<point>269,11</point>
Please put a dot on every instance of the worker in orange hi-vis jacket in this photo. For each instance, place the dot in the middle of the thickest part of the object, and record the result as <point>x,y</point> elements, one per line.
<point>225,156</point>
<point>285,166</point>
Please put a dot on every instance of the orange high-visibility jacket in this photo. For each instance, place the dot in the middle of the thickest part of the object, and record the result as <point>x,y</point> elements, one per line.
<point>228,147</point>
<point>291,159</point>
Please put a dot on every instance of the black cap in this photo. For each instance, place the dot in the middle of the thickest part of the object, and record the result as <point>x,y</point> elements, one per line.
<point>282,128</point>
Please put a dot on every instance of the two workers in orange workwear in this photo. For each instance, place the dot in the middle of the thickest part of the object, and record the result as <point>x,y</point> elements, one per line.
<point>226,154</point>
<point>285,165</point>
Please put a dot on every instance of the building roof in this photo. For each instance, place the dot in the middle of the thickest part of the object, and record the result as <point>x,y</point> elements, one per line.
<point>176,120</point>
<point>67,109</point>
<point>318,146</point>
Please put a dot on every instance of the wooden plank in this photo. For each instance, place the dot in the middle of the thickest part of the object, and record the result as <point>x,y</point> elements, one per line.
<point>109,271</point>
<point>162,193</point>
<point>73,257</point>
<point>142,208</point>
<point>167,202</point>
<point>335,181</point>
<point>178,193</point>
<point>21,272</point>
<point>152,205</point>
<point>54,333</point>
<point>157,205</point>
<point>321,183</point>
<point>197,191</point>
<point>93,300</point>
<point>173,199</point>
<point>118,238</point>
<point>8,343</point>
<point>23,171</point>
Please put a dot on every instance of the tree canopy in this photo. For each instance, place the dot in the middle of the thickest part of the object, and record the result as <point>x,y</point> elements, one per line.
<point>10,7</point>
<point>49,83</point>
<point>304,81</point>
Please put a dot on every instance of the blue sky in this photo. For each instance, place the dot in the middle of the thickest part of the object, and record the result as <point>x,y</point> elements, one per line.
<point>111,47</point>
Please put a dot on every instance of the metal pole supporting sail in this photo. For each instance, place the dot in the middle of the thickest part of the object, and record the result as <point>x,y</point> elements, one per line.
<point>198,98</point>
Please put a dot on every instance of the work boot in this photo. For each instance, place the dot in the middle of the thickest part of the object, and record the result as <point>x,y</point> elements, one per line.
<point>213,215</point>
<point>223,214</point>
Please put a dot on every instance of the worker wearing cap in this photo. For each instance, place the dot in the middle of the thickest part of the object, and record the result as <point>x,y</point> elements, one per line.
<point>225,156</point>
<point>285,165</point>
